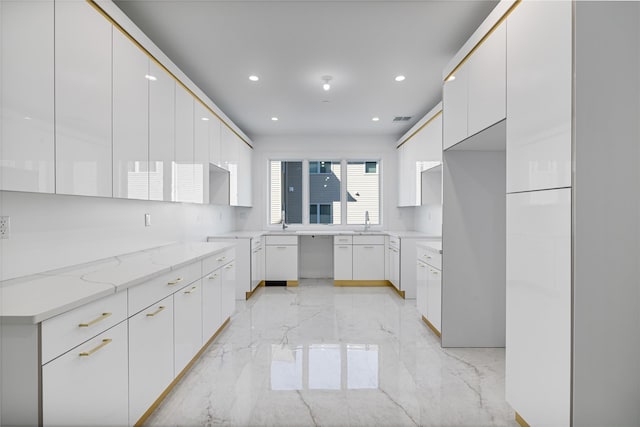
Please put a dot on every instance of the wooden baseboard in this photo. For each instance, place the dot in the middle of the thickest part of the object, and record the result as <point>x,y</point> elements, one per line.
<point>398,291</point>
<point>521,421</point>
<point>433,328</point>
<point>292,283</point>
<point>250,294</point>
<point>360,283</point>
<point>178,377</point>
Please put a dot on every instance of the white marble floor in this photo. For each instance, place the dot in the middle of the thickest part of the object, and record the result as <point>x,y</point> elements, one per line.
<point>319,355</point>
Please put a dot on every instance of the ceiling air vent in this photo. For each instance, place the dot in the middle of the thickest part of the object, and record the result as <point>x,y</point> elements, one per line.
<point>402,118</point>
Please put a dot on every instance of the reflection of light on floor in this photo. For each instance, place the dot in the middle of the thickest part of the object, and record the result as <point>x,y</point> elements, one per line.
<point>324,367</point>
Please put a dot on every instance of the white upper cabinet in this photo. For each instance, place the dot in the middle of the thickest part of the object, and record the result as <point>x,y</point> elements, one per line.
<point>244,174</point>
<point>185,180</point>
<point>26,120</point>
<point>487,82</point>
<point>82,100</point>
<point>539,96</point>
<point>229,154</point>
<point>455,98</point>
<point>475,98</point>
<point>202,128</point>
<point>162,119</point>
<point>215,144</point>
<point>130,119</point>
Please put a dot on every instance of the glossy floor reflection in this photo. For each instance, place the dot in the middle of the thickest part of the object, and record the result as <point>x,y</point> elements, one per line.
<point>319,355</point>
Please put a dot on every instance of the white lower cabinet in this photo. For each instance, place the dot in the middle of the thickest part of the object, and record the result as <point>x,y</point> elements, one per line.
<point>394,266</point>
<point>429,285</point>
<point>434,297</point>
<point>228,290</point>
<point>150,356</point>
<point>211,304</point>
<point>368,262</point>
<point>88,384</point>
<point>281,258</point>
<point>187,313</point>
<point>342,262</point>
<point>421,288</point>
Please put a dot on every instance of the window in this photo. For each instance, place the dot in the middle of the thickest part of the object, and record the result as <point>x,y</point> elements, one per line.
<point>319,167</point>
<point>325,201</point>
<point>286,192</point>
<point>363,193</point>
<point>320,214</point>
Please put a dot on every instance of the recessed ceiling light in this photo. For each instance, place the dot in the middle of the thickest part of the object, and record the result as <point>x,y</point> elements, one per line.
<point>375,119</point>
<point>326,79</point>
<point>400,78</point>
<point>275,119</point>
<point>204,119</point>
<point>254,78</point>
<point>150,77</point>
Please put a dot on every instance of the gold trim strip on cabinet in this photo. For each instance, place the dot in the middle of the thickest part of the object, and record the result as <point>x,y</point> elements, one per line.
<point>483,39</point>
<point>94,321</point>
<point>521,421</point>
<point>435,116</point>
<point>93,350</point>
<point>108,17</point>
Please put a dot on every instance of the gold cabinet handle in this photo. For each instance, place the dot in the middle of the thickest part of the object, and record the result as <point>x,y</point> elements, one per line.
<point>213,277</point>
<point>191,290</point>
<point>162,307</point>
<point>221,259</point>
<point>228,266</point>
<point>421,265</point>
<point>175,282</point>
<point>94,321</point>
<point>93,350</point>
<point>434,272</point>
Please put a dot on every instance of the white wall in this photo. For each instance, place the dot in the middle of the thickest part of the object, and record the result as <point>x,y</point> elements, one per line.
<point>54,231</point>
<point>428,219</point>
<point>326,147</point>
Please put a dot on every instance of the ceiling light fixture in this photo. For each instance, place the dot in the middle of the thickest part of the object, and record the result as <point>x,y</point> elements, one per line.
<point>275,119</point>
<point>150,77</point>
<point>375,119</point>
<point>254,78</point>
<point>326,80</point>
<point>400,78</point>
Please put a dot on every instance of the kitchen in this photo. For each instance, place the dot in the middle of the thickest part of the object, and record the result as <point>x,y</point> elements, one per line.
<point>562,240</point>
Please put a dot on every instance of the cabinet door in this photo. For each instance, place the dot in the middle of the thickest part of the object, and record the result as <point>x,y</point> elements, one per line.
<point>82,100</point>
<point>488,82</point>
<point>539,70</point>
<point>88,385</point>
<point>421,288</point>
<point>282,262</point>
<point>215,144</point>
<point>244,173</point>
<point>394,267</point>
<point>229,153</point>
<point>201,128</point>
<point>342,262</point>
<point>257,266</point>
<point>434,297</point>
<point>228,290</point>
<point>130,119</point>
<point>185,184</point>
<point>162,92</point>
<point>26,115</point>
<point>150,356</point>
<point>187,313</point>
<point>211,304</point>
<point>368,262</point>
<point>454,101</point>
<point>403,190</point>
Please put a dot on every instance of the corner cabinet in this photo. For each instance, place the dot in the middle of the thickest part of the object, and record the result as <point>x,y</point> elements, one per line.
<point>236,157</point>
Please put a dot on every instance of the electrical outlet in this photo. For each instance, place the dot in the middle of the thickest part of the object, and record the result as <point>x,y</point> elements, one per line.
<point>147,220</point>
<point>5,227</point>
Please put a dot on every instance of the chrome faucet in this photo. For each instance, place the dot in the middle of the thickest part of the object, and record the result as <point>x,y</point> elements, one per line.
<point>367,221</point>
<point>284,223</point>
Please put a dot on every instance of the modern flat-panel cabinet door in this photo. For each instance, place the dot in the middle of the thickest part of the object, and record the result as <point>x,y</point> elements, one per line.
<point>394,267</point>
<point>187,312</point>
<point>368,262</point>
<point>215,144</point>
<point>88,384</point>
<point>342,262</point>
<point>211,304</point>
<point>455,99</point>
<point>421,288</point>
<point>244,174</point>
<point>282,262</point>
<point>130,119</point>
<point>228,290</point>
<point>488,82</point>
<point>185,189</point>
<point>150,356</point>
<point>26,116</point>
<point>162,92</point>
<point>201,129</point>
<point>257,266</point>
<point>82,100</point>
<point>434,297</point>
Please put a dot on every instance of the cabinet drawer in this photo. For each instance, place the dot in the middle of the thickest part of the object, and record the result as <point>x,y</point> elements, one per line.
<point>256,242</point>
<point>342,240</point>
<point>144,295</point>
<point>431,257</point>
<point>368,240</point>
<point>394,241</point>
<point>216,261</point>
<point>67,330</point>
<point>281,240</point>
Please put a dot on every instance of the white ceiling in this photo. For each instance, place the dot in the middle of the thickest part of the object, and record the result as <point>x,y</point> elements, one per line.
<point>290,45</point>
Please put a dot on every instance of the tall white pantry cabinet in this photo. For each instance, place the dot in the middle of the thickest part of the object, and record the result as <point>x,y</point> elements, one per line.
<point>572,153</point>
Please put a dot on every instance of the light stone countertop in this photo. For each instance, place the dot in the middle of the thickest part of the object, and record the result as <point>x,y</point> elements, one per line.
<point>328,232</point>
<point>431,245</point>
<point>33,299</point>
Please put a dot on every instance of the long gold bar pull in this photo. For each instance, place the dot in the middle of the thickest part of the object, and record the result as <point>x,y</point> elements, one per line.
<point>191,290</point>
<point>162,307</point>
<point>94,321</point>
<point>175,282</point>
<point>93,350</point>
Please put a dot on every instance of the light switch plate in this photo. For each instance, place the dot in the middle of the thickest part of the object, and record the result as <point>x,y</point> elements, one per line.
<point>5,227</point>
<point>147,220</point>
